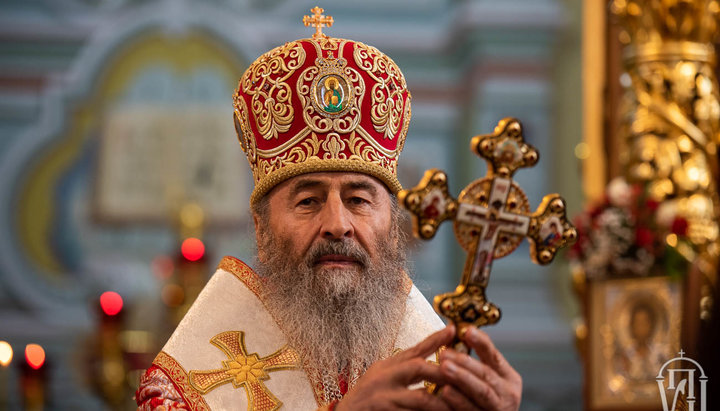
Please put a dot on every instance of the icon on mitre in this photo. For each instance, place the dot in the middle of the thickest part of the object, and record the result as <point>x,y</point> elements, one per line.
<point>331,94</point>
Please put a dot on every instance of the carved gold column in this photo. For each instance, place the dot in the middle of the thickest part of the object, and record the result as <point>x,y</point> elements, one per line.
<point>670,119</point>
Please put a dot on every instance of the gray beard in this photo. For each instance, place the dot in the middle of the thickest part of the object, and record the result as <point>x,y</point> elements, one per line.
<point>339,320</point>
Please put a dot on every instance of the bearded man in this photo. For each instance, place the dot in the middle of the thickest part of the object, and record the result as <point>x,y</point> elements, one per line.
<point>330,319</point>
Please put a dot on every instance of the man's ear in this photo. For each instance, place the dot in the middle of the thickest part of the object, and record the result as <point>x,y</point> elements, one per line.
<point>259,234</point>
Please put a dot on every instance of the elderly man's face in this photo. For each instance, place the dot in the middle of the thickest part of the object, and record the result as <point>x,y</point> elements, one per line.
<point>333,260</point>
<point>332,206</point>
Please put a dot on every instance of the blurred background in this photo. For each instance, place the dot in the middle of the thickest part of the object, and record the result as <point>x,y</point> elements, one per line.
<point>122,184</point>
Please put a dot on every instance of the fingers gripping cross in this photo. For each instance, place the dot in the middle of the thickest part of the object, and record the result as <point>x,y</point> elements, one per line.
<point>491,218</point>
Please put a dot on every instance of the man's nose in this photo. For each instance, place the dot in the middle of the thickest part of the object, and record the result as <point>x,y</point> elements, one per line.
<point>336,220</point>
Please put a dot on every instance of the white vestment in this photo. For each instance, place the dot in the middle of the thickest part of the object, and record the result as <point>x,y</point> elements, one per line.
<point>228,353</point>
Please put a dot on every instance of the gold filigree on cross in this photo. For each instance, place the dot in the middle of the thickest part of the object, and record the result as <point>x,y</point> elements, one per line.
<point>491,218</point>
<point>318,21</point>
<point>245,370</point>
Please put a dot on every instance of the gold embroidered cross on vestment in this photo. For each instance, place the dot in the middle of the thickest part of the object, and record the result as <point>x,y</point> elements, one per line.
<point>492,216</point>
<point>318,21</point>
<point>245,370</point>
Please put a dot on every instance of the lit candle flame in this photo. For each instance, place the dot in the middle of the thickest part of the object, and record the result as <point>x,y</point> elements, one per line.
<point>6,353</point>
<point>35,356</point>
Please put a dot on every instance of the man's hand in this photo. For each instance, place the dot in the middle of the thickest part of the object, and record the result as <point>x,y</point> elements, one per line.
<point>488,384</point>
<point>468,384</point>
<point>384,385</point>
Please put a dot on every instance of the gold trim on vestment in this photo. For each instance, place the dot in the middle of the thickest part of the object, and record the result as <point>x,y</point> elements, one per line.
<point>179,377</point>
<point>243,273</point>
<point>245,370</point>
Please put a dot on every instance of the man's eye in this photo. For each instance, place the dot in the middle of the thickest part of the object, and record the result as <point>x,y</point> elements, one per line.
<point>306,201</point>
<point>358,200</point>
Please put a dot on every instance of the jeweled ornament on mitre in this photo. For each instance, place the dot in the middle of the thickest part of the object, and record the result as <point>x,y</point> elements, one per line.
<point>321,104</point>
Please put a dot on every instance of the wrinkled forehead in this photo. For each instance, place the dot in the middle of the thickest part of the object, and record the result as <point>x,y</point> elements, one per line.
<point>333,180</point>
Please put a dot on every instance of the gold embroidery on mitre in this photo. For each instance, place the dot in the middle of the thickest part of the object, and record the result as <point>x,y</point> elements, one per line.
<point>245,370</point>
<point>329,44</point>
<point>265,81</point>
<point>331,93</point>
<point>388,104</point>
<point>305,158</point>
<point>333,145</point>
<point>246,138</point>
<point>320,112</point>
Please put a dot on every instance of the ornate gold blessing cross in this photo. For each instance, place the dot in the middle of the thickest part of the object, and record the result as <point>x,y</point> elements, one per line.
<point>492,216</point>
<point>318,21</point>
<point>243,370</point>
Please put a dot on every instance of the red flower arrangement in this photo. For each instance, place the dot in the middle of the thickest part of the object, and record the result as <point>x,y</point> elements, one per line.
<point>631,234</point>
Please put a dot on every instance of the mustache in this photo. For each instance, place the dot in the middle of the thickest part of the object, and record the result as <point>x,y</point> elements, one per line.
<point>344,247</point>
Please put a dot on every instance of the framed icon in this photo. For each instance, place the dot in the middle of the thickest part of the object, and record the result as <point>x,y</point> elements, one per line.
<point>634,328</point>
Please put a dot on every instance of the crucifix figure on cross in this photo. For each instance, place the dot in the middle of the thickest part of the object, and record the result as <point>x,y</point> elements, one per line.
<point>492,216</point>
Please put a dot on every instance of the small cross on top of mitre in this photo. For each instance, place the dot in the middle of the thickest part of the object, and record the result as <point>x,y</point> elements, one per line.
<point>318,21</point>
<point>491,218</point>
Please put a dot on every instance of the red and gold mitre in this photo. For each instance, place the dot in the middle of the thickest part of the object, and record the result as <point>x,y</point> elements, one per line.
<point>322,104</point>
